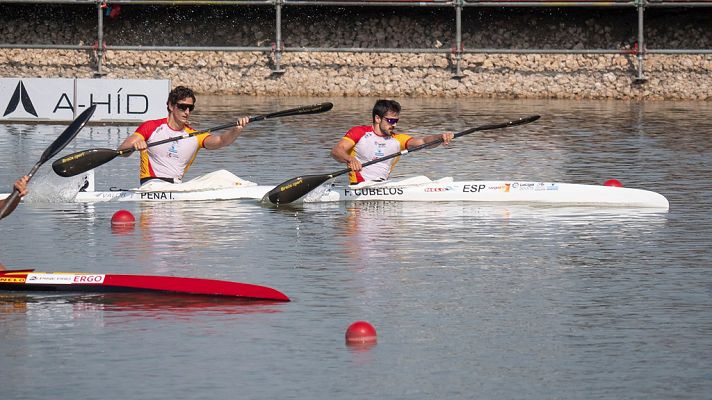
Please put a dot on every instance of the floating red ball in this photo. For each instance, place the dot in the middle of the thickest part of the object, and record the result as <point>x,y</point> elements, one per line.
<point>613,182</point>
<point>123,217</point>
<point>361,332</point>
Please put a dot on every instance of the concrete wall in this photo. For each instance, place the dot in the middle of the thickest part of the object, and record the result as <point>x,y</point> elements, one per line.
<point>373,74</point>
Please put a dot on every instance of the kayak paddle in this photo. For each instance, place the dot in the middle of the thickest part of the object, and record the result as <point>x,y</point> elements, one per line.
<point>295,188</point>
<point>83,161</point>
<point>72,130</point>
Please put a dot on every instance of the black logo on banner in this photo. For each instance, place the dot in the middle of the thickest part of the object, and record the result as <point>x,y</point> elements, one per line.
<point>20,95</point>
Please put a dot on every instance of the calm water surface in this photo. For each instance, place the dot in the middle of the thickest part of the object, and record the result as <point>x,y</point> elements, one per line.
<point>470,301</point>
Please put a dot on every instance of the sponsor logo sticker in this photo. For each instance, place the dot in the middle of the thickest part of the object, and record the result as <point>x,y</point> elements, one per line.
<point>95,279</point>
<point>438,189</point>
<point>523,186</point>
<point>64,279</point>
<point>61,279</point>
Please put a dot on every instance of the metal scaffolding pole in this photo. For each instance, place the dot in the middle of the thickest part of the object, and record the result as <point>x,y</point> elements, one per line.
<point>458,39</point>
<point>99,40</point>
<point>277,70</point>
<point>641,42</point>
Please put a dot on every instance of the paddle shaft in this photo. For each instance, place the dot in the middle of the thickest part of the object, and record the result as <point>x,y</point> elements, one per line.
<point>295,188</point>
<point>176,138</point>
<point>317,108</point>
<point>67,135</point>
<point>440,140</point>
<point>76,163</point>
<point>83,161</point>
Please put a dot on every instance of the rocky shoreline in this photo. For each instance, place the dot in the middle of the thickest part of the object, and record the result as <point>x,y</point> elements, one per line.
<point>393,74</point>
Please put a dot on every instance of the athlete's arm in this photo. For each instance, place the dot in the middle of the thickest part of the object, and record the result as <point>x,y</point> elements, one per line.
<point>446,137</point>
<point>21,186</point>
<point>341,151</point>
<point>213,142</point>
<point>135,141</point>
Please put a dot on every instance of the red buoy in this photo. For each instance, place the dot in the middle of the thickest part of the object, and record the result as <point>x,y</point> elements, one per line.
<point>613,182</point>
<point>361,332</point>
<point>123,217</point>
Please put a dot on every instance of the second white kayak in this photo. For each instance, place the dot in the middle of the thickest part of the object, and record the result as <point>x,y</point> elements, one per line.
<point>445,189</point>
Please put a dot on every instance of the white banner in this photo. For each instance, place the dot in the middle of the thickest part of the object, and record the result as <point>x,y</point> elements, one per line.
<point>35,99</point>
<point>60,99</point>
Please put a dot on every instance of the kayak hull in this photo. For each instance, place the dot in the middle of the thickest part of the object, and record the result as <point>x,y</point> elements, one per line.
<point>550,193</point>
<point>28,280</point>
<point>243,193</point>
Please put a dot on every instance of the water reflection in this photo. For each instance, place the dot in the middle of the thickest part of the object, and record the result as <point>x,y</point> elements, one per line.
<point>455,235</point>
<point>168,235</point>
<point>43,308</point>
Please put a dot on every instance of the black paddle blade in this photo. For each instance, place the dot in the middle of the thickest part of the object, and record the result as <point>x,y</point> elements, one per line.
<point>520,121</point>
<point>524,120</point>
<point>68,134</point>
<point>293,189</point>
<point>83,161</point>
<point>304,110</point>
<point>531,118</point>
<point>61,142</point>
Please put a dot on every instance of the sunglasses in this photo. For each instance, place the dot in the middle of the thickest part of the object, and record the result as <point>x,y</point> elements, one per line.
<point>391,121</point>
<point>183,106</point>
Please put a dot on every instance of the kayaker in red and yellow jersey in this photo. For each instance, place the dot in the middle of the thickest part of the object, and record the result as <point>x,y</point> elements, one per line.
<point>369,142</point>
<point>170,161</point>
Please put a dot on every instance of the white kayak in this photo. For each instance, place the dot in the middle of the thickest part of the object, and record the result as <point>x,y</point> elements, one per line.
<point>223,185</point>
<point>249,192</point>
<point>218,185</point>
<point>421,188</point>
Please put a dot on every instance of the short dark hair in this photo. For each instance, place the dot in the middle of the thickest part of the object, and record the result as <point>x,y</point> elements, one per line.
<point>179,93</point>
<point>382,107</point>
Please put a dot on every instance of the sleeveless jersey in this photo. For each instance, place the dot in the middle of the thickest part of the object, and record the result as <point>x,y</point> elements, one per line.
<point>369,146</point>
<point>168,160</point>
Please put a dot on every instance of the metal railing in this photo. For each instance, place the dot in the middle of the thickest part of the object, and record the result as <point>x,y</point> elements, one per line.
<point>458,50</point>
